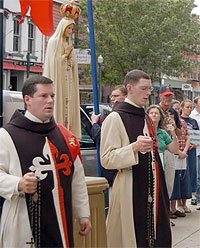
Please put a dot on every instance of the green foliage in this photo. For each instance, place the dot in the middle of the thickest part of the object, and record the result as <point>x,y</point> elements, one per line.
<point>149,35</point>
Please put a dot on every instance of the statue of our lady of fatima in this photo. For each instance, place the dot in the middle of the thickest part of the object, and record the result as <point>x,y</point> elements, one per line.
<point>61,67</point>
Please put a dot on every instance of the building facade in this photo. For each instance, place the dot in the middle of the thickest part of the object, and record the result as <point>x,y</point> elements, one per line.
<point>23,47</point>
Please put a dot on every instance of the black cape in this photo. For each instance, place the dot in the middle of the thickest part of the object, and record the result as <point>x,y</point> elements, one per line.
<point>30,139</point>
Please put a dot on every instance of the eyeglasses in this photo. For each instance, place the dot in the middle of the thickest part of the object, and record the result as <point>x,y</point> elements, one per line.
<point>146,88</point>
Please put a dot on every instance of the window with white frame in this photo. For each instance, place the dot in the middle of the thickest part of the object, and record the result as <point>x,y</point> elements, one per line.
<point>16,35</point>
<point>31,37</point>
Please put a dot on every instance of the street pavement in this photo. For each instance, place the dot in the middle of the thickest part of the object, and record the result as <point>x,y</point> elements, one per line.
<point>186,232</point>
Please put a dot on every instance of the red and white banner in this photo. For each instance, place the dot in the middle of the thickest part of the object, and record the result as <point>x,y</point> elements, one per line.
<point>41,12</point>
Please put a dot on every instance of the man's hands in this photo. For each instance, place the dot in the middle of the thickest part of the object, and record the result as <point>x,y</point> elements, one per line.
<point>143,144</point>
<point>95,118</point>
<point>28,183</point>
<point>85,226</point>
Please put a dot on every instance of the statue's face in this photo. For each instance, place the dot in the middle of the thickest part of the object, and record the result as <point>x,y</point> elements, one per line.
<point>68,31</point>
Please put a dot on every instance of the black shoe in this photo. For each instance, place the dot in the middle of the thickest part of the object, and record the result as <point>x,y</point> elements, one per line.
<point>179,213</point>
<point>194,201</point>
<point>172,215</point>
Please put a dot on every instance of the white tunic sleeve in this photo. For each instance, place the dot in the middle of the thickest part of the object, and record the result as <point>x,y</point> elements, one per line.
<point>9,167</point>
<point>79,191</point>
<point>115,149</point>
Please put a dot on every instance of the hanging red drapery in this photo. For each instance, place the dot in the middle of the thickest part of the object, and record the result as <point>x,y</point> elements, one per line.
<point>41,12</point>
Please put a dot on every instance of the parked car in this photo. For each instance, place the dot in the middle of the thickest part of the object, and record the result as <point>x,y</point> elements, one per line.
<point>12,100</point>
<point>88,146</point>
<point>104,110</point>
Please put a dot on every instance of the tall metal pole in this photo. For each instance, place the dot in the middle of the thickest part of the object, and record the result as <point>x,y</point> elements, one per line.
<point>1,63</point>
<point>100,63</point>
<point>99,80</point>
<point>27,64</point>
<point>93,56</point>
<point>94,72</point>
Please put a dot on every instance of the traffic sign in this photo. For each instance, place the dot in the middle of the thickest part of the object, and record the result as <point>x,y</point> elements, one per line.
<point>83,56</point>
<point>186,87</point>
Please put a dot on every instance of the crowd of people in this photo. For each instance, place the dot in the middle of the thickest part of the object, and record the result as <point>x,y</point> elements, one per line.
<point>173,153</point>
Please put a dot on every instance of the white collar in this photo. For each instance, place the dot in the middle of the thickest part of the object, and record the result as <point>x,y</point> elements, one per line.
<point>33,117</point>
<point>132,103</point>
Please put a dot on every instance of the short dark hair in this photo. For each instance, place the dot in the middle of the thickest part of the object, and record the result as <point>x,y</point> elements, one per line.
<point>132,77</point>
<point>121,88</point>
<point>29,87</point>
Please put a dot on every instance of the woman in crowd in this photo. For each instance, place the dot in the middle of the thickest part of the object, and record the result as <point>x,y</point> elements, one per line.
<point>186,109</point>
<point>167,140</point>
<point>182,189</point>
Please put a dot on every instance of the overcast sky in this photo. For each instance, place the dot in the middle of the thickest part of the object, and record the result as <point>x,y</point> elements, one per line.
<point>197,9</point>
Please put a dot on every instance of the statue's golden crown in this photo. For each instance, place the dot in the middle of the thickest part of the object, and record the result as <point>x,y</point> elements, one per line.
<point>70,10</point>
